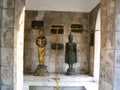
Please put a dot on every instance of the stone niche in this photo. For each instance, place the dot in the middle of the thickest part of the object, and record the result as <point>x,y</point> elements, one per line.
<point>53,18</point>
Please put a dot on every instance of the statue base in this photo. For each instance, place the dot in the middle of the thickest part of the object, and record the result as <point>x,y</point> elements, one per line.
<point>41,71</point>
<point>70,71</point>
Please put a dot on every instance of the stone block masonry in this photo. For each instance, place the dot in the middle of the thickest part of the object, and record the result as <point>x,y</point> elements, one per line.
<point>53,18</point>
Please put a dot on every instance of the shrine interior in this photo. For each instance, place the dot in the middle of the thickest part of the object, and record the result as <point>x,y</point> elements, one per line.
<point>59,45</point>
<point>84,39</point>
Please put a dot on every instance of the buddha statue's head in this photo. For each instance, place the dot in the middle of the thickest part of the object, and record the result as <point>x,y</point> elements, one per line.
<point>41,32</point>
<point>70,37</point>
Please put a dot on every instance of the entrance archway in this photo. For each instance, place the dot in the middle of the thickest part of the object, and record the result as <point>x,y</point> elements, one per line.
<point>97,48</point>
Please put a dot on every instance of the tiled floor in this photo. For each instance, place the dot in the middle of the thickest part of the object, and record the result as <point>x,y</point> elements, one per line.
<point>64,81</point>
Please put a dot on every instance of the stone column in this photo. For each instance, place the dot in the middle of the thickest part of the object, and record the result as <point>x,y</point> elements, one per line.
<point>6,45</point>
<point>18,44</point>
<point>92,22</point>
<point>11,44</point>
<point>110,45</point>
<point>116,85</point>
<point>107,45</point>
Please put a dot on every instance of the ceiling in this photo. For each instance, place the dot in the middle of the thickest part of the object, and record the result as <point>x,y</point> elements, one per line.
<point>62,5</point>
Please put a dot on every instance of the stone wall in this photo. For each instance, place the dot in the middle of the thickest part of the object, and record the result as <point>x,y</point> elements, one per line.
<point>8,49</point>
<point>109,74</point>
<point>92,23</point>
<point>51,18</point>
<point>0,35</point>
<point>6,44</point>
<point>116,85</point>
<point>18,43</point>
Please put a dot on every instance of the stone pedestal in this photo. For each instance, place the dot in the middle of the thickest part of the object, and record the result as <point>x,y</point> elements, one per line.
<point>70,71</point>
<point>41,70</point>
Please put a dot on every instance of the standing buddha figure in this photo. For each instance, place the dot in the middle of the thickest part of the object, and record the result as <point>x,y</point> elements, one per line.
<point>70,55</point>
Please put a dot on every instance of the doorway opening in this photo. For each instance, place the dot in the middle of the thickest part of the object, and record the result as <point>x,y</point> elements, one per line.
<point>50,56</point>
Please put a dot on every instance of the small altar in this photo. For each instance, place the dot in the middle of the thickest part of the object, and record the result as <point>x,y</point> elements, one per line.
<point>77,82</point>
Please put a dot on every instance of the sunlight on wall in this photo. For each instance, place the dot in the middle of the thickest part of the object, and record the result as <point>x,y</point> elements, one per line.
<point>97,49</point>
<point>19,37</point>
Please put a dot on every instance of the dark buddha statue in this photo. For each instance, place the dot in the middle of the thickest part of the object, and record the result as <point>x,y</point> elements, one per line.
<point>70,55</point>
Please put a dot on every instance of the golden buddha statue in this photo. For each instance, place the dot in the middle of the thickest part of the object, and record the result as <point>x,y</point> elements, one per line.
<point>41,43</point>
